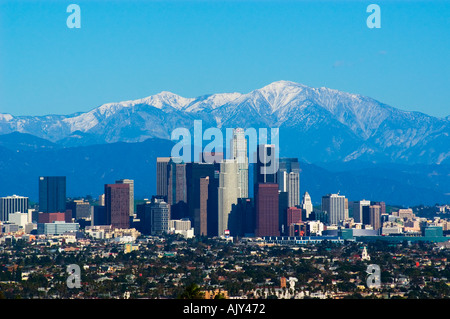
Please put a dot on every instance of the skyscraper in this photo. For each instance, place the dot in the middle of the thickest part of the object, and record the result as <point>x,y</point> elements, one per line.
<point>267,209</point>
<point>382,206</point>
<point>294,215</point>
<point>375,216</point>
<point>228,192</point>
<point>266,204</point>
<point>177,189</point>
<point>283,205</point>
<point>266,166</point>
<point>79,209</point>
<point>241,221</point>
<point>239,153</point>
<point>288,177</point>
<point>334,206</point>
<point>12,204</point>
<point>52,194</point>
<point>307,204</point>
<point>201,213</point>
<point>154,216</point>
<point>194,172</point>
<point>358,210</point>
<point>161,175</point>
<point>131,183</point>
<point>117,203</point>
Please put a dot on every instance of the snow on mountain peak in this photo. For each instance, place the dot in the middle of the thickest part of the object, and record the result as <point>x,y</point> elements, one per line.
<point>6,117</point>
<point>212,101</point>
<point>164,99</point>
<point>280,93</point>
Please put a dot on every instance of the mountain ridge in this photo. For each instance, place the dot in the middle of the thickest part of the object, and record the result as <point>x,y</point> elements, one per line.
<point>326,124</point>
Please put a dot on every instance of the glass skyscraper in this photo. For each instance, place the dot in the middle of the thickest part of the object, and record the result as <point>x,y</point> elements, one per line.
<point>52,194</point>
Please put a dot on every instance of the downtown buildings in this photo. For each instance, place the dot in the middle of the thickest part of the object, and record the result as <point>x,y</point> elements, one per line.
<point>214,195</point>
<point>12,204</point>
<point>210,195</point>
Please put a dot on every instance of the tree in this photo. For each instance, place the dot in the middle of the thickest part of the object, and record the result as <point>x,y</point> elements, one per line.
<point>193,291</point>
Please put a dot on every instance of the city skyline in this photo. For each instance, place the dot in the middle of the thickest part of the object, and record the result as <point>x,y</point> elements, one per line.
<point>273,213</point>
<point>244,150</point>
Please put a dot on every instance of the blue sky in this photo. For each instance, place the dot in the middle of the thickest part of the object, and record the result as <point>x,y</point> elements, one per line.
<point>132,49</point>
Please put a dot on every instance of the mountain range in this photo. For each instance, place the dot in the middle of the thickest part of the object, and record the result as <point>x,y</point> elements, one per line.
<point>346,142</point>
<point>316,124</point>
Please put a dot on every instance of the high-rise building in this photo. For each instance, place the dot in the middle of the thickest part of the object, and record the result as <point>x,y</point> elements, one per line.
<point>375,216</point>
<point>382,206</point>
<point>201,213</point>
<point>294,215</point>
<point>283,205</point>
<point>307,205</point>
<point>161,175</point>
<point>241,221</point>
<point>12,204</point>
<point>194,172</point>
<point>117,202</point>
<point>358,210</point>
<point>239,153</point>
<point>131,183</point>
<point>99,215</point>
<point>177,189</point>
<point>288,178</point>
<point>334,206</point>
<point>79,208</point>
<point>266,166</point>
<point>266,210</point>
<point>153,216</point>
<point>228,192</point>
<point>52,194</point>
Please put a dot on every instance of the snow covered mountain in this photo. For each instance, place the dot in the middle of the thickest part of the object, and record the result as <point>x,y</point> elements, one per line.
<point>316,124</point>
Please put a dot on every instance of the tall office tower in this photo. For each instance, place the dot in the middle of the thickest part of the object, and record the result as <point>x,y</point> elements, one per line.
<point>161,175</point>
<point>346,208</point>
<point>382,206</point>
<point>283,205</point>
<point>375,216</point>
<point>194,172</point>
<point>266,210</point>
<point>239,152</point>
<point>307,205</point>
<point>201,213</point>
<point>117,202</point>
<point>79,208</point>
<point>241,221</point>
<point>12,204</point>
<point>154,216</point>
<point>52,194</point>
<point>177,191</point>
<point>228,192</point>
<point>288,177</point>
<point>334,206</point>
<point>294,216</point>
<point>266,166</point>
<point>99,215</point>
<point>131,183</point>
<point>358,209</point>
